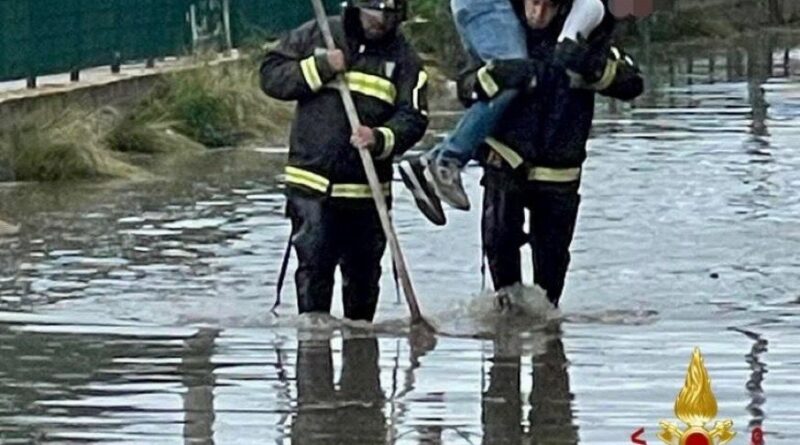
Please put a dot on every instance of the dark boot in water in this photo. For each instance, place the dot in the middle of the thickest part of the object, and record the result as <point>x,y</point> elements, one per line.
<point>503,300</point>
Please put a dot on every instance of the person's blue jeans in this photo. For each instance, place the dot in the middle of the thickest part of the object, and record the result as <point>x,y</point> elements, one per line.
<point>490,30</point>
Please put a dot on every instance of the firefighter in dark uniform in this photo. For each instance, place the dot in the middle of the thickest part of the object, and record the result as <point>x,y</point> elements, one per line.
<point>533,160</point>
<point>334,219</point>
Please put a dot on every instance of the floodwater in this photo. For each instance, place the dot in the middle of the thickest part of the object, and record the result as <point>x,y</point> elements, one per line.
<point>139,312</point>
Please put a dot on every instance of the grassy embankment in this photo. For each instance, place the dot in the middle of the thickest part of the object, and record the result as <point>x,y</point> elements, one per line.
<point>192,110</point>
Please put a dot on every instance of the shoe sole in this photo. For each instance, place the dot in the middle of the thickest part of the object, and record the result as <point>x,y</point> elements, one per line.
<point>414,186</point>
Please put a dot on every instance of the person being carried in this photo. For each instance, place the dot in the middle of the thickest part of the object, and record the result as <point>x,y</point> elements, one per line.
<point>334,218</point>
<point>533,160</point>
<point>491,31</point>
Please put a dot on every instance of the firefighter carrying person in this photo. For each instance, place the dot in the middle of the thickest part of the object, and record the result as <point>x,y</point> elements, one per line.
<point>533,159</point>
<point>333,216</point>
<point>490,30</point>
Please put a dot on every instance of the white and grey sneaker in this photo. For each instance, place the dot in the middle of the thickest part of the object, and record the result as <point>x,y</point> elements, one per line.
<point>413,171</point>
<point>446,177</point>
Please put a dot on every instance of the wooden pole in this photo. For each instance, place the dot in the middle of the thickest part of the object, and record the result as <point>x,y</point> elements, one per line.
<point>372,178</point>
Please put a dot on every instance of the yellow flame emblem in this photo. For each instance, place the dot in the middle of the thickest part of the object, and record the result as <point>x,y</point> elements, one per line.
<point>696,406</point>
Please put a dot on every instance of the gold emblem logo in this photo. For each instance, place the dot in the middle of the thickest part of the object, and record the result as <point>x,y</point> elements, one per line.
<point>696,407</point>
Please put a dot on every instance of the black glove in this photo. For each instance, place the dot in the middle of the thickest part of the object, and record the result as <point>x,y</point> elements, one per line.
<point>581,58</point>
<point>628,82</point>
<point>517,74</point>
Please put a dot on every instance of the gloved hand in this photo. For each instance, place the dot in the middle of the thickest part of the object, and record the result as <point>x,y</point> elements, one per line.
<point>580,58</point>
<point>518,74</point>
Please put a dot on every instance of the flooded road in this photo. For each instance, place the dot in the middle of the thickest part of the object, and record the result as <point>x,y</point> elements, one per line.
<point>139,312</point>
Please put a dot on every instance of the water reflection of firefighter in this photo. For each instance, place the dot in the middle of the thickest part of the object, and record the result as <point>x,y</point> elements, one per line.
<point>754,384</point>
<point>197,374</point>
<point>550,416</point>
<point>326,415</point>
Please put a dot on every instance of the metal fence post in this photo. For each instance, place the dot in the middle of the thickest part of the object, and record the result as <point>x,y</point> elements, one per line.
<point>226,23</point>
<point>117,64</point>
<point>786,62</point>
<point>193,25</point>
<point>75,73</point>
<point>116,56</point>
<point>31,80</point>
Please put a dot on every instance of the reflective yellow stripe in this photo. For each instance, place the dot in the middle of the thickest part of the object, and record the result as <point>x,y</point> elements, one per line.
<point>357,191</point>
<point>547,174</point>
<point>421,81</point>
<point>543,174</point>
<point>487,83</point>
<point>305,178</point>
<point>370,85</point>
<point>320,183</point>
<point>608,76</point>
<point>388,142</point>
<point>506,152</point>
<point>309,68</point>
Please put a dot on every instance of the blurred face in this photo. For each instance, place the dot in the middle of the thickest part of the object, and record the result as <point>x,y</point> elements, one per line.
<point>376,23</point>
<point>539,13</point>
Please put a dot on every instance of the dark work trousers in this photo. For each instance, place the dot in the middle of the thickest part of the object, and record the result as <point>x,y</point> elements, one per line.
<point>327,233</point>
<point>553,209</point>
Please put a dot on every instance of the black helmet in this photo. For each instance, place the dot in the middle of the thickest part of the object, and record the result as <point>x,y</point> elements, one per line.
<point>399,7</point>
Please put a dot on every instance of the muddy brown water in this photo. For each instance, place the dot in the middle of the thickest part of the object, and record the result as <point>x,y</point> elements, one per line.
<point>139,312</point>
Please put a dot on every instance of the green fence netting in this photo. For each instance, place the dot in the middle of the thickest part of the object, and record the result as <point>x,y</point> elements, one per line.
<point>40,37</point>
<point>254,20</point>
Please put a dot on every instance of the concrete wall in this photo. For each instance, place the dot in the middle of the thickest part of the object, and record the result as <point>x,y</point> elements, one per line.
<point>97,89</point>
<point>118,93</point>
